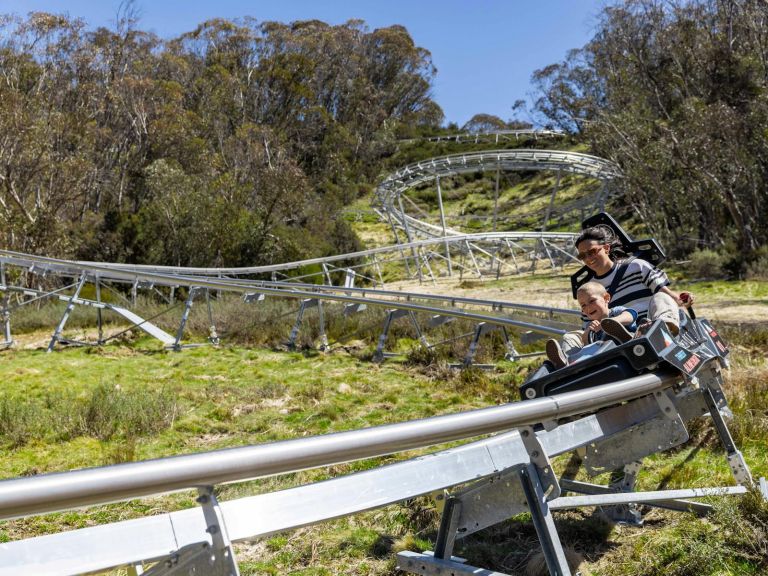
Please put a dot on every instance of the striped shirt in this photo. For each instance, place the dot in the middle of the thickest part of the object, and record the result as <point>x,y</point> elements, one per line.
<point>641,280</point>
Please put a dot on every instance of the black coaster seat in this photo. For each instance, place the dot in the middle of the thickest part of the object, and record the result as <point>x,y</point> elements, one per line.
<point>697,343</point>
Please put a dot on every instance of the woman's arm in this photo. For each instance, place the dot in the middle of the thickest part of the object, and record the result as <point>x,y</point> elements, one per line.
<point>682,299</point>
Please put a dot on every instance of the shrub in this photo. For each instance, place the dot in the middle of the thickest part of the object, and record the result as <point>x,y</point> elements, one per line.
<point>108,412</point>
<point>758,268</point>
<point>19,421</point>
<point>706,264</point>
<point>111,411</point>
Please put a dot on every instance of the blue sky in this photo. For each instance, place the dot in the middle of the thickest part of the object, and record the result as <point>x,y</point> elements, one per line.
<point>484,50</point>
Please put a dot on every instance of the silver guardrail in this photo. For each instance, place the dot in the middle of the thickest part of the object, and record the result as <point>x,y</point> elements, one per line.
<point>61,491</point>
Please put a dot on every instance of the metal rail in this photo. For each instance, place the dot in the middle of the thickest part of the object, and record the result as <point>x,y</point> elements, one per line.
<point>414,174</point>
<point>229,285</point>
<point>493,136</point>
<point>457,238</point>
<point>60,491</point>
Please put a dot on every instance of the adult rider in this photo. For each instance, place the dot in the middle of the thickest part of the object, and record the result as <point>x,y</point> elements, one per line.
<point>640,285</point>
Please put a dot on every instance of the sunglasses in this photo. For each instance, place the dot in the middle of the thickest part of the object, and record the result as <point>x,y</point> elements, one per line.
<point>591,253</point>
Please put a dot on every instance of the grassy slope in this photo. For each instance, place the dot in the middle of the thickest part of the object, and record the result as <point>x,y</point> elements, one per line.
<point>226,397</point>
<point>234,396</point>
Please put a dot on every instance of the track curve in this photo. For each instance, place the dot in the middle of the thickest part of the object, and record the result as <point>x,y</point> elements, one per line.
<point>429,253</point>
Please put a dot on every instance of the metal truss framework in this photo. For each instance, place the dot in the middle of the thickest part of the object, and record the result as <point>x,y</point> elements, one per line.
<point>390,193</point>
<point>75,275</point>
<point>491,137</point>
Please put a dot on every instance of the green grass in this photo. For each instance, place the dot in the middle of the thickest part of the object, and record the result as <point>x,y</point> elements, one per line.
<point>235,396</point>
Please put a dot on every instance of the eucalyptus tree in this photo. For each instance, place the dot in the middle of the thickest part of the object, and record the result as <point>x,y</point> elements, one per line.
<point>237,142</point>
<point>676,92</point>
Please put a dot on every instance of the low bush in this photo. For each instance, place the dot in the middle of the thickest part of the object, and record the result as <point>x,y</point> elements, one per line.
<point>105,413</point>
<point>706,264</point>
<point>758,269</point>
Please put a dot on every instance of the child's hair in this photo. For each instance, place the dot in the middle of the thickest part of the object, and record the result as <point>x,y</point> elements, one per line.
<point>592,288</point>
<point>604,235</point>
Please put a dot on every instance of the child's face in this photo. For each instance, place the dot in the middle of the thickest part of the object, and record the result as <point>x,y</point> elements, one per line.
<point>594,306</point>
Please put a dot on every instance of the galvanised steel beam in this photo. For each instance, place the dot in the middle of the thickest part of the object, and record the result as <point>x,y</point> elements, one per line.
<point>21,259</point>
<point>311,291</point>
<point>61,491</point>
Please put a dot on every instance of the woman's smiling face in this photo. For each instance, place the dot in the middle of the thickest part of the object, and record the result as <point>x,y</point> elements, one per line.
<point>595,255</point>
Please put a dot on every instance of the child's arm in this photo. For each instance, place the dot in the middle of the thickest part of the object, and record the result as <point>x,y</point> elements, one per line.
<point>625,318</point>
<point>593,326</point>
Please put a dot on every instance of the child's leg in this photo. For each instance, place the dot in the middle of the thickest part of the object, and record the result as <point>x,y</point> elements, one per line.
<point>571,341</point>
<point>557,352</point>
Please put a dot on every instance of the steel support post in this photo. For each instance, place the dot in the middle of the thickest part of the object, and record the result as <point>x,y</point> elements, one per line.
<point>419,333</point>
<point>709,381</point>
<point>409,236</point>
<point>214,559</point>
<point>349,279</point>
<point>473,344</point>
<point>99,319</point>
<point>306,304</point>
<point>736,460</point>
<point>378,270</point>
<point>496,197</point>
<point>554,555</point>
<point>214,520</point>
<point>70,305</point>
<point>134,292</point>
<point>512,353</point>
<point>474,260</point>
<point>545,246</point>
<point>624,480</point>
<point>6,309</point>
<point>327,274</point>
<point>397,242</point>
<point>297,325</point>
<point>548,214</point>
<point>425,259</point>
<point>482,329</point>
<point>442,222</point>
<point>539,486</point>
<point>378,355</point>
<point>512,254</point>
<point>184,317</point>
<point>446,533</point>
<point>321,318</point>
<point>213,337</point>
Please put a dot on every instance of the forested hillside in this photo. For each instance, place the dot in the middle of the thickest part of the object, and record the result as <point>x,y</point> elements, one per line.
<point>240,143</point>
<point>236,143</point>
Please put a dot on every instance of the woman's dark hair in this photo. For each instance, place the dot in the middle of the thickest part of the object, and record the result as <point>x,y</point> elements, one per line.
<point>604,235</point>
